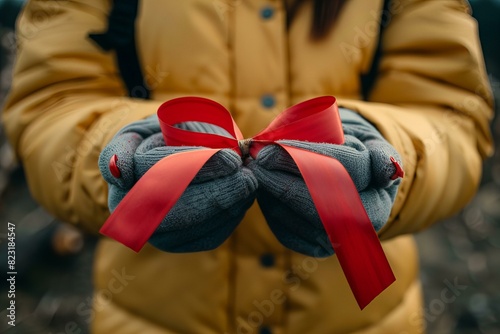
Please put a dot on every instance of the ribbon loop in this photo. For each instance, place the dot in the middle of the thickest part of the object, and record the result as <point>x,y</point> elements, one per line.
<point>197,109</point>
<point>315,120</point>
<point>348,227</point>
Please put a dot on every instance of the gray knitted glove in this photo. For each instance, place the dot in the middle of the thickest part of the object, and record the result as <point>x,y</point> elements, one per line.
<point>212,205</point>
<point>286,203</point>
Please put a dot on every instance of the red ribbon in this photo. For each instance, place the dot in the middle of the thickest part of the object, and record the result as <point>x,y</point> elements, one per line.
<point>341,211</point>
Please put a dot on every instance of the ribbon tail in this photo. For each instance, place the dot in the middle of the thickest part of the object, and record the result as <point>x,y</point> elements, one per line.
<point>145,206</point>
<point>347,224</point>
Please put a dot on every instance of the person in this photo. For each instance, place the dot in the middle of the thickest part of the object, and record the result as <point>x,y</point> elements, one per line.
<point>430,107</point>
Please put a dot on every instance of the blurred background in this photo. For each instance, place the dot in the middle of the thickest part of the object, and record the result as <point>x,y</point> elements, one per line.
<point>54,260</point>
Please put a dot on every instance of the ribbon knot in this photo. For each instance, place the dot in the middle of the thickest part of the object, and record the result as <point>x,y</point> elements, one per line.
<point>244,145</point>
<point>334,194</point>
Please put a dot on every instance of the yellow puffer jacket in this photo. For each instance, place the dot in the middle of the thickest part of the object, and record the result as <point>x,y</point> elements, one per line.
<point>432,102</point>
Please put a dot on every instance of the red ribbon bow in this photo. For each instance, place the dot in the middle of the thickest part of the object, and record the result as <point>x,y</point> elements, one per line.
<point>334,194</point>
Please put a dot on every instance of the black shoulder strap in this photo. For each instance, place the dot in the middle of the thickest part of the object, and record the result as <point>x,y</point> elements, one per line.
<point>120,37</point>
<point>368,79</point>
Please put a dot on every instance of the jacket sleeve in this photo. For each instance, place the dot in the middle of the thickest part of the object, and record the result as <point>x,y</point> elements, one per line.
<point>66,102</point>
<point>432,101</point>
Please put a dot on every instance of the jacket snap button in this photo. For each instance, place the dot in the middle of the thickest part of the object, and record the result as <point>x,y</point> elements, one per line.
<point>267,260</point>
<point>265,330</point>
<point>268,101</point>
<point>266,13</point>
